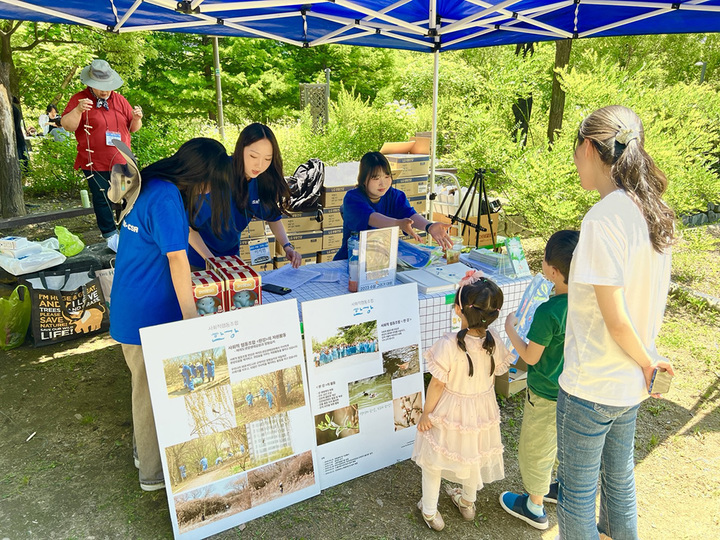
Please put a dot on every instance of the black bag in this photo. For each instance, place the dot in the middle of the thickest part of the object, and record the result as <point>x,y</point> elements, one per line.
<point>66,304</point>
<point>306,186</point>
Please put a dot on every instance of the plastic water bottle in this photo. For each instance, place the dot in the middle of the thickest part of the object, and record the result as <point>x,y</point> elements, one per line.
<point>353,253</point>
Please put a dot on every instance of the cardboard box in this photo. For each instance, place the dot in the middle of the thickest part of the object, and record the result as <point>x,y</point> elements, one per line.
<point>418,203</point>
<point>332,239</point>
<point>413,187</point>
<point>306,259</point>
<point>242,287</point>
<point>208,292</point>
<point>298,222</point>
<point>509,383</point>
<point>332,218</point>
<point>245,247</point>
<point>257,228</point>
<point>326,255</point>
<point>484,238</point>
<point>305,243</point>
<point>409,165</point>
<point>263,267</point>
<point>339,179</point>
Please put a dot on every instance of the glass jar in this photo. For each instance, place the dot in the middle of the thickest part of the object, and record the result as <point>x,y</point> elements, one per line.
<point>452,255</point>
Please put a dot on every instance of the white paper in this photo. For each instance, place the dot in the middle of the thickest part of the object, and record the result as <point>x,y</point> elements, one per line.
<point>287,276</point>
<point>244,438</point>
<point>368,399</point>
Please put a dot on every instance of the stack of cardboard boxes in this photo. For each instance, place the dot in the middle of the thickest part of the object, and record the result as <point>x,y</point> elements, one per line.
<point>227,284</point>
<point>338,181</point>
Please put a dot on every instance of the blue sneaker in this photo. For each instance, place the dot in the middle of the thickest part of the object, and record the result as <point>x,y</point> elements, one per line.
<point>552,494</point>
<point>516,505</point>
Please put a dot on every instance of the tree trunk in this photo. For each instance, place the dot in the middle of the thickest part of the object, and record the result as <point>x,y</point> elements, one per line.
<point>557,100</point>
<point>12,202</point>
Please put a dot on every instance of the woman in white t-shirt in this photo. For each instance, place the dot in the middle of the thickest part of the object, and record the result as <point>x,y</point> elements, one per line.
<point>619,278</point>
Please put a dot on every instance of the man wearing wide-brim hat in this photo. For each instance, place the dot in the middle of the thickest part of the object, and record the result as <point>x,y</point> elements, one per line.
<point>98,115</point>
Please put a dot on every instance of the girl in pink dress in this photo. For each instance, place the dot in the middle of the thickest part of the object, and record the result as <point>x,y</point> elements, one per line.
<point>458,435</point>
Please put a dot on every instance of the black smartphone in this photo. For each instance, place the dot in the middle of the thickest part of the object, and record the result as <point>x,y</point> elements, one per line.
<point>275,289</point>
<point>660,382</point>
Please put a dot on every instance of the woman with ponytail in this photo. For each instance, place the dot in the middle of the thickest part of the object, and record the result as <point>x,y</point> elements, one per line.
<point>458,434</point>
<point>618,283</point>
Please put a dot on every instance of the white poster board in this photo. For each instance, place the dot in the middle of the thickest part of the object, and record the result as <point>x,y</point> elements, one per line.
<point>237,436</point>
<point>365,380</point>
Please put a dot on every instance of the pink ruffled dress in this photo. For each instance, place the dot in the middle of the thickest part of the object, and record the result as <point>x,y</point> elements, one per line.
<point>464,443</point>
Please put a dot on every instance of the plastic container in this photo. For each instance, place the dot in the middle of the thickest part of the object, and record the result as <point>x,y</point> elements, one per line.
<point>353,253</point>
<point>452,255</point>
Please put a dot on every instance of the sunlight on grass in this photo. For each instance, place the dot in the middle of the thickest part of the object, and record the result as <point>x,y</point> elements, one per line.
<point>94,344</point>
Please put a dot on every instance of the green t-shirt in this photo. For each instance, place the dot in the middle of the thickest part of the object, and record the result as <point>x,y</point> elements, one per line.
<point>548,329</point>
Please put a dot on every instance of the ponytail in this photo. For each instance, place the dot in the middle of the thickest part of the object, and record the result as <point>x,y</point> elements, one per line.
<point>618,136</point>
<point>480,304</point>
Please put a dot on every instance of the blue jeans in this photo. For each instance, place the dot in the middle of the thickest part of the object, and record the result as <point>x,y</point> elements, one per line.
<point>595,440</point>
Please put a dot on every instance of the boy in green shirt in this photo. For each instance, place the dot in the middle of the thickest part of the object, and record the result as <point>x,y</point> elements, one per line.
<point>543,353</point>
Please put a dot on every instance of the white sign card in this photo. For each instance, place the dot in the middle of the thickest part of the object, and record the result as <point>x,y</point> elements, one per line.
<point>377,258</point>
<point>232,413</point>
<point>365,380</point>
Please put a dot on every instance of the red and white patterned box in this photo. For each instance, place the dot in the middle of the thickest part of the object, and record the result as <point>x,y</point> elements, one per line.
<point>242,287</point>
<point>208,292</point>
<point>226,261</point>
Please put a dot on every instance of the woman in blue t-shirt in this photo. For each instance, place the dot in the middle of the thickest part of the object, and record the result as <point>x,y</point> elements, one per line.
<point>375,204</point>
<point>152,273</point>
<point>259,190</point>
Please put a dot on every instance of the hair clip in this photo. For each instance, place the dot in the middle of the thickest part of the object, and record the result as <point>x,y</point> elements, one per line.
<point>471,276</point>
<point>625,135</point>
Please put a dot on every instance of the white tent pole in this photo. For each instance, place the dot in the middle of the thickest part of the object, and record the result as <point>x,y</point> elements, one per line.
<point>218,89</point>
<point>433,137</point>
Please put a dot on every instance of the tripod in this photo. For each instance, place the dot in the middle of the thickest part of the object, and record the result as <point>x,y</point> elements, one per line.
<point>477,186</point>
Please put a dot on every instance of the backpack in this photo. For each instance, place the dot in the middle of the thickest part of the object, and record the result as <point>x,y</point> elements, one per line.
<point>306,186</point>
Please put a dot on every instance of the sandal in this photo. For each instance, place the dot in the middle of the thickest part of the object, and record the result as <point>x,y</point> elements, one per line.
<point>435,521</point>
<point>467,512</point>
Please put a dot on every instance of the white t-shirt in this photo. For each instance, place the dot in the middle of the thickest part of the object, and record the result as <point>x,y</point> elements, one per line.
<point>614,249</point>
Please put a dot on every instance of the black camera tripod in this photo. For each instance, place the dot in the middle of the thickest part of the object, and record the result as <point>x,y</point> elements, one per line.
<point>477,186</point>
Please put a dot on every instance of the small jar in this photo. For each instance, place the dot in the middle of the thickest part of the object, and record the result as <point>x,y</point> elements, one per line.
<point>452,255</point>
<point>353,252</point>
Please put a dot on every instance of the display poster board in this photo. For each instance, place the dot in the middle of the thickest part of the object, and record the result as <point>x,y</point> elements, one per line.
<point>377,258</point>
<point>365,380</point>
<point>233,418</point>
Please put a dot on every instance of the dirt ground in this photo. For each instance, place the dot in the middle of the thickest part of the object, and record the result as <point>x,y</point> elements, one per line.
<point>66,468</point>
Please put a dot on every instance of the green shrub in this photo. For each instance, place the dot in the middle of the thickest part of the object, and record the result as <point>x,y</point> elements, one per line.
<point>51,169</point>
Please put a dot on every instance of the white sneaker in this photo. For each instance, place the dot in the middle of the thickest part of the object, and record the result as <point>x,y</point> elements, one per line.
<point>113,241</point>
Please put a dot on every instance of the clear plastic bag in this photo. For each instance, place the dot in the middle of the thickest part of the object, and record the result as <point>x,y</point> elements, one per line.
<point>14,318</point>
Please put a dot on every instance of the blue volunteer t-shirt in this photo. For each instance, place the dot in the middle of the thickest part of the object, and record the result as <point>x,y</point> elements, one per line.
<point>229,241</point>
<point>142,292</point>
<point>357,209</point>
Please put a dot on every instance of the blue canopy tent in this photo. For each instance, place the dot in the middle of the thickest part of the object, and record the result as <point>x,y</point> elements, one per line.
<point>420,25</point>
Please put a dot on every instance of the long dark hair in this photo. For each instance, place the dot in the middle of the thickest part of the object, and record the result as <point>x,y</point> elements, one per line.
<point>272,187</point>
<point>618,136</point>
<point>480,303</point>
<point>370,164</point>
<point>197,165</point>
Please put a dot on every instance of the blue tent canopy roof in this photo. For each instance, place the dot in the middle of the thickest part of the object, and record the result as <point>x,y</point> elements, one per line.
<point>404,24</point>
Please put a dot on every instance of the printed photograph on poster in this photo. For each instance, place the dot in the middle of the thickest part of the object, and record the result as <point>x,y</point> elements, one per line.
<point>338,424</point>
<point>208,459</point>
<point>370,391</point>
<point>186,373</point>
<point>364,403</point>
<point>237,438</point>
<point>407,411</point>
<point>354,343</point>
<point>402,361</point>
<point>210,410</point>
<point>241,492</point>
<point>268,394</point>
